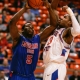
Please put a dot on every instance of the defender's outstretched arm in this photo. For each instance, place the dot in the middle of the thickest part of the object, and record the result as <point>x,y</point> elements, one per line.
<point>53,22</point>
<point>54,4</point>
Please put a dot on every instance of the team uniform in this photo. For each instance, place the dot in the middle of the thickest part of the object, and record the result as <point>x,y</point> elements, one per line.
<point>55,53</point>
<point>25,57</point>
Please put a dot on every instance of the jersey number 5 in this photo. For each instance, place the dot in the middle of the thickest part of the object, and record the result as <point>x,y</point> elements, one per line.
<point>29,59</point>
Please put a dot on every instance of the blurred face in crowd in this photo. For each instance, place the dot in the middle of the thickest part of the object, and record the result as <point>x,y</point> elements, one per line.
<point>2,74</point>
<point>48,21</point>
<point>75,73</point>
<point>0,20</point>
<point>5,62</point>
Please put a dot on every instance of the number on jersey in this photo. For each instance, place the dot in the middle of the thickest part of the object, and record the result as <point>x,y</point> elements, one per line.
<point>29,59</point>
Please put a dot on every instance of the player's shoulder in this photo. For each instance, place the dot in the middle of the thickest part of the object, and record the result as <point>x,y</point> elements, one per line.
<point>60,30</point>
<point>36,36</point>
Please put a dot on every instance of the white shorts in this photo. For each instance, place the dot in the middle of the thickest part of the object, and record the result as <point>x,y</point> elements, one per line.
<point>54,71</point>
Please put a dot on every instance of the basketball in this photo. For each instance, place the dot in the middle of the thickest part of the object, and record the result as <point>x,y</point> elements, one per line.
<point>35,3</point>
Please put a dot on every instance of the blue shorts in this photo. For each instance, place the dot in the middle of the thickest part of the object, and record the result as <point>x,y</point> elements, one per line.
<point>20,77</point>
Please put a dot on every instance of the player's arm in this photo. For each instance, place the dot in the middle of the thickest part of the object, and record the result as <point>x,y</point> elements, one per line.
<point>12,24</point>
<point>54,4</point>
<point>47,31</point>
<point>74,30</point>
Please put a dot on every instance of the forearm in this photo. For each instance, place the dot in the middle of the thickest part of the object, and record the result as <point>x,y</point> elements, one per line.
<point>75,30</point>
<point>53,17</point>
<point>54,4</point>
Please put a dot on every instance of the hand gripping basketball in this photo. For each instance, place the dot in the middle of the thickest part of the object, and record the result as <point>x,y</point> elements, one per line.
<point>35,4</point>
<point>46,4</point>
<point>26,5</point>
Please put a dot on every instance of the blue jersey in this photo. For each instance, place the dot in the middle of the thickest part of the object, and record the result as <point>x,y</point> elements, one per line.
<point>25,55</point>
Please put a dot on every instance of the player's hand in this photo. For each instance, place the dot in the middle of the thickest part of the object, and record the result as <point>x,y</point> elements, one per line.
<point>64,8</point>
<point>46,4</point>
<point>26,5</point>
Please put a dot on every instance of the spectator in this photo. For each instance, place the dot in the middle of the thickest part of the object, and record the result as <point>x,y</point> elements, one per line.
<point>2,75</point>
<point>77,15</point>
<point>72,48</point>
<point>71,5</point>
<point>1,57</point>
<point>18,4</point>
<point>6,67</point>
<point>35,11</point>
<point>44,25</point>
<point>5,54</point>
<point>66,78</point>
<point>3,41</point>
<point>75,76</point>
<point>2,26</point>
<point>28,16</point>
<point>4,15</point>
<point>6,8</point>
<point>78,46</point>
<point>8,37</point>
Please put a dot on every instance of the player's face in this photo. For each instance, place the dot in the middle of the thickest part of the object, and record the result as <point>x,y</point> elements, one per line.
<point>65,21</point>
<point>28,29</point>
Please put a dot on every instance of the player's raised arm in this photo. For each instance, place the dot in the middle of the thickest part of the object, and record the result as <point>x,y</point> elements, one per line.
<point>12,24</point>
<point>74,30</point>
<point>53,22</point>
<point>54,4</point>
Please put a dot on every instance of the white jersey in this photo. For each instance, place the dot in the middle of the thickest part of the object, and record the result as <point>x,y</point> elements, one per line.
<point>56,49</point>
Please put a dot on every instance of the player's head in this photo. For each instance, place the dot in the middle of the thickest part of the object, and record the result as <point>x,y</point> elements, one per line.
<point>27,30</point>
<point>65,21</point>
<point>2,74</point>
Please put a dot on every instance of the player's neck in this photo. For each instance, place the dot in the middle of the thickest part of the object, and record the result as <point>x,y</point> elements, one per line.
<point>28,36</point>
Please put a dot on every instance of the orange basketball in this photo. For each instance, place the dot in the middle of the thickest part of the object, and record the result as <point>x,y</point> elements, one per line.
<point>35,3</point>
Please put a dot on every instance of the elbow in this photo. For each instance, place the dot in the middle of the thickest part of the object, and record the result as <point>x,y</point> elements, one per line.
<point>75,32</point>
<point>10,22</point>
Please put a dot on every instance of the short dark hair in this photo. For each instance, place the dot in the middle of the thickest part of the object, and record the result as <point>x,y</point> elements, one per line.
<point>24,25</point>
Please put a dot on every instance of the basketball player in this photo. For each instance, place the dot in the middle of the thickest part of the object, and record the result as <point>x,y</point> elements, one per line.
<point>25,47</point>
<point>57,47</point>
